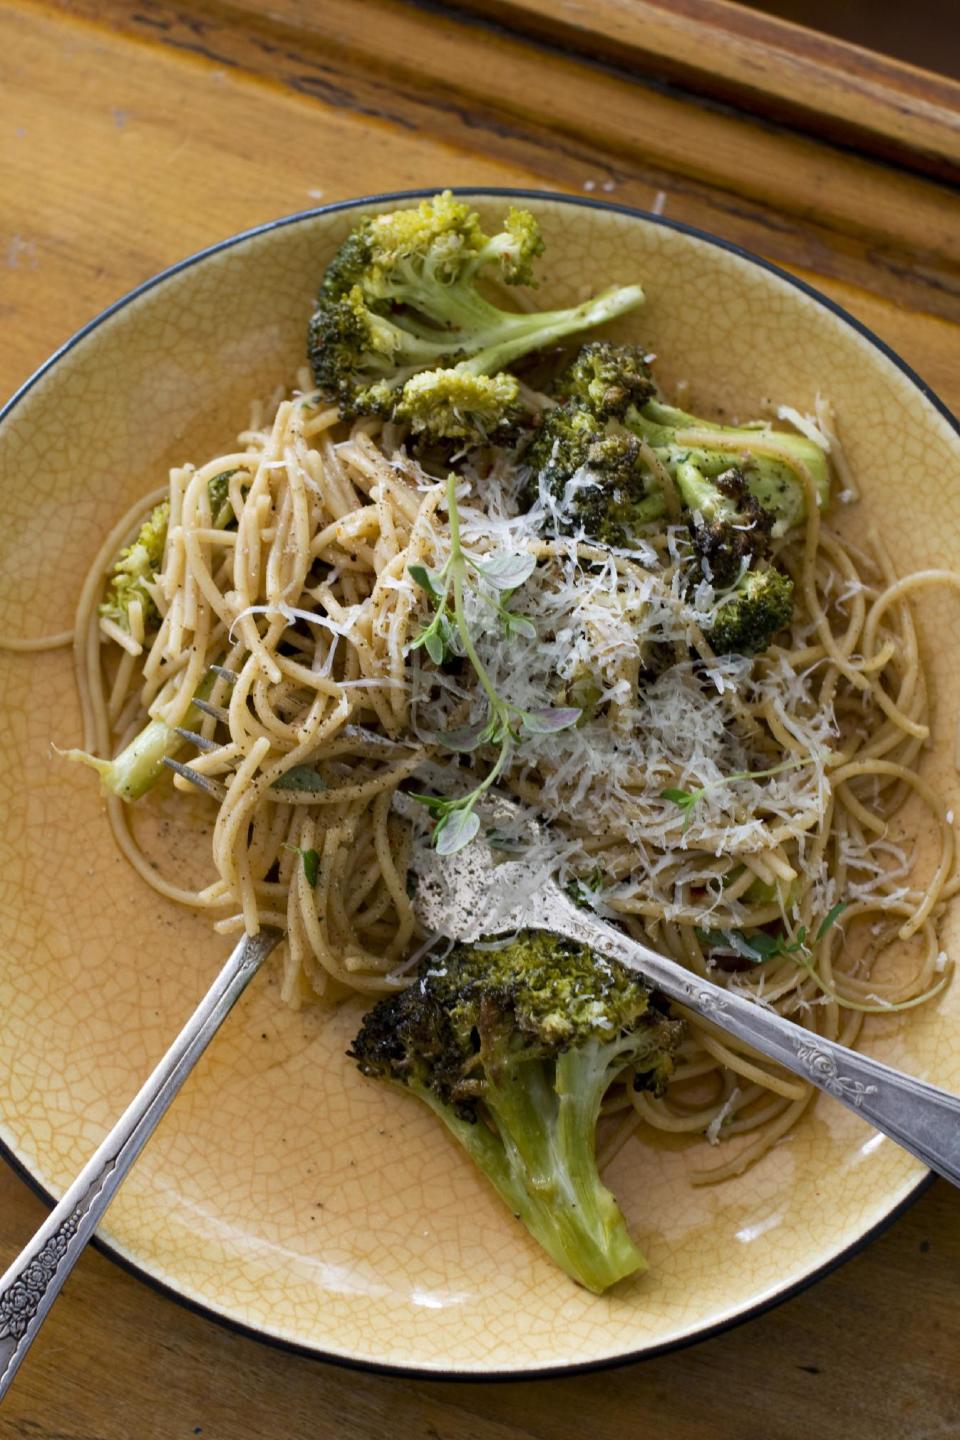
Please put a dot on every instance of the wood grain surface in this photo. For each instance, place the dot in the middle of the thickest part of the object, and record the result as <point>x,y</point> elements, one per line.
<point>131,135</point>
<point>815,81</point>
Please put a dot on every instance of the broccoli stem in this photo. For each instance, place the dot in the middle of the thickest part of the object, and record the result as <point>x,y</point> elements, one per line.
<point>140,764</point>
<point>514,335</point>
<point>583,1076</point>
<point>543,1163</point>
<point>681,441</point>
<point>497,337</point>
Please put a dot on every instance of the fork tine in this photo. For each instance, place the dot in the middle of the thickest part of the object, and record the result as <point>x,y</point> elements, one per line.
<point>201,741</point>
<point>217,711</point>
<point>202,782</point>
<point>229,675</point>
<point>370,737</point>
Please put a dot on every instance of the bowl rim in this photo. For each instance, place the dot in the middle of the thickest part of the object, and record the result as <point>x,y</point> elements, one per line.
<point>647,1352</point>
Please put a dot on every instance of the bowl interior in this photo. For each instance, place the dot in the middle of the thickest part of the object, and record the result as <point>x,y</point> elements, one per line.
<point>282,1191</point>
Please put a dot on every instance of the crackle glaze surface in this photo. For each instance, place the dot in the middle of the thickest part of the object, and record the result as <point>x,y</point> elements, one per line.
<point>282,1191</point>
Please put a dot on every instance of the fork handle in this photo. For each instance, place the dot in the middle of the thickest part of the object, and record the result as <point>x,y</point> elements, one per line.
<point>920,1117</point>
<point>34,1280</point>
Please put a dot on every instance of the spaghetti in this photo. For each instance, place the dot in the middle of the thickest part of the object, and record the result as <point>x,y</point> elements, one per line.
<point>295,621</point>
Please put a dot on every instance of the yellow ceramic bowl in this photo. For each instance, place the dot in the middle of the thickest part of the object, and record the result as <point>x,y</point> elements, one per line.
<point>283,1192</point>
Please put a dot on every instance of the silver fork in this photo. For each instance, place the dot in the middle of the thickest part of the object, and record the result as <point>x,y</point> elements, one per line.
<point>36,1277</point>
<point>477,893</point>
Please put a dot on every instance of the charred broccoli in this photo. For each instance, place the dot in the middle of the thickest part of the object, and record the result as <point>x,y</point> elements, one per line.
<point>588,463</point>
<point>613,383</point>
<point>771,481</point>
<point>591,477</point>
<point>748,619</point>
<point>514,1049</point>
<point>737,498</point>
<point>730,530</point>
<point>729,527</point>
<point>607,378</point>
<point>400,296</point>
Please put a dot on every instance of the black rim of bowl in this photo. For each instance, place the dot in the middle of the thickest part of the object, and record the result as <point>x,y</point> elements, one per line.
<point>535,1372</point>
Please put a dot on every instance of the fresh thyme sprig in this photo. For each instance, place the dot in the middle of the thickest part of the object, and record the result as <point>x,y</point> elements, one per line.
<point>505,724</point>
<point>688,800</point>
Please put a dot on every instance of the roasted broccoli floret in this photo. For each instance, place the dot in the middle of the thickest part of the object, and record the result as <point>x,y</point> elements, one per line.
<point>747,621</point>
<point>136,568</point>
<point>587,464</point>
<point>134,572</point>
<point>401,296</point>
<point>607,378</point>
<point>730,530</point>
<point>590,477</point>
<point>614,381</point>
<point>737,498</point>
<point>729,527</point>
<point>772,482</point>
<point>514,1049</point>
<point>458,404</point>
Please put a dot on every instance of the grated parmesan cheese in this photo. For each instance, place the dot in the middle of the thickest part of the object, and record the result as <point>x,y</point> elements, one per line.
<point>728,1107</point>
<point>806,425</point>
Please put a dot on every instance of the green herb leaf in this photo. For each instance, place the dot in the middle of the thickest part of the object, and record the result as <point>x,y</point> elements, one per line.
<point>831,918</point>
<point>465,738</point>
<point>311,863</point>
<point>687,801</point>
<point>756,947</point>
<point>585,890</point>
<point>455,830</point>
<point>515,624</point>
<point>549,720</point>
<point>435,648</point>
<point>300,777</point>
<point>769,947</point>
<point>426,580</point>
<point>505,571</point>
<point>438,638</point>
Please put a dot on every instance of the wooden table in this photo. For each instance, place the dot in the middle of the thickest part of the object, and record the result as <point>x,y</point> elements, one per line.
<point>134,133</point>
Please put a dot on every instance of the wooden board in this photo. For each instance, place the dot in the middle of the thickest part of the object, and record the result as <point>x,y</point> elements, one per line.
<point>773,67</point>
<point>131,135</point>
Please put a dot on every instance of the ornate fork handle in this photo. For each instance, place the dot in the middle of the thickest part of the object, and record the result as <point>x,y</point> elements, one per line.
<point>920,1117</point>
<point>35,1278</point>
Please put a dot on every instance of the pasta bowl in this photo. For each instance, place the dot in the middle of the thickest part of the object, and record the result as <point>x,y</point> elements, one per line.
<point>282,1193</point>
